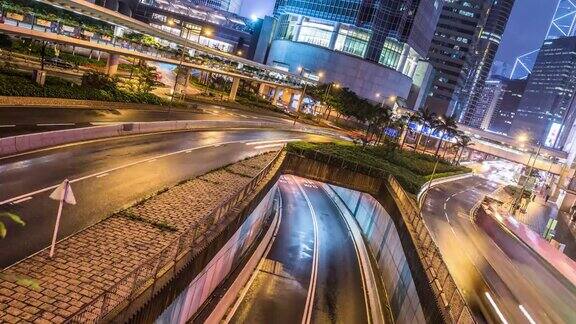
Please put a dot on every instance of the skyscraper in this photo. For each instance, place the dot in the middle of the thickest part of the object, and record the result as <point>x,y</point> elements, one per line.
<point>512,92</point>
<point>455,38</point>
<point>370,46</point>
<point>547,111</point>
<point>232,6</point>
<point>482,60</point>
<point>563,24</point>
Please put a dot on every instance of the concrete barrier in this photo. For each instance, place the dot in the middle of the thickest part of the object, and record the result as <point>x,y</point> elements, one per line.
<point>29,142</point>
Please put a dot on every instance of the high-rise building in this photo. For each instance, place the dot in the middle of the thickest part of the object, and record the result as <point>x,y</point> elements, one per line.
<point>232,6</point>
<point>512,92</point>
<point>370,46</point>
<point>482,60</point>
<point>489,102</point>
<point>215,28</point>
<point>454,42</point>
<point>547,111</point>
<point>563,24</point>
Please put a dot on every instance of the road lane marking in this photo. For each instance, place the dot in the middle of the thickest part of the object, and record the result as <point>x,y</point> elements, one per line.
<point>314,275</point>
<point>102,175</point>
<point>274,141</point>
<point>268,146</point>
<point>364,271</point>
<point>500,315</point>
<point>151,160</point>
<point>526,314</point>
<point>21,200</point>
<point>6,126</point>
<point>57,124</point>
<point>113,169</point>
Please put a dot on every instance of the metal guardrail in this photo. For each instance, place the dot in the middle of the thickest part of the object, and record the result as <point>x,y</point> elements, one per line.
<point>448,296</point>
<point>148,273</point>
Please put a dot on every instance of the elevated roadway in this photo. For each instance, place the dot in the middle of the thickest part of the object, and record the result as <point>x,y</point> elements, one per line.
<point>110,174</point>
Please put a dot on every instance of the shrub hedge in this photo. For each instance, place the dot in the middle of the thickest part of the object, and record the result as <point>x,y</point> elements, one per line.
<point>20,84</point>
<point>410,169</point>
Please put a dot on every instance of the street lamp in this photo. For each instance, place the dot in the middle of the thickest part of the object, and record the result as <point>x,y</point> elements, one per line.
<point>179,66</point>
<point>523,138</point>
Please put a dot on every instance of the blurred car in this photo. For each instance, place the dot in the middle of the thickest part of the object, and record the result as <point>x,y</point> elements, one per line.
<point>58,62</point>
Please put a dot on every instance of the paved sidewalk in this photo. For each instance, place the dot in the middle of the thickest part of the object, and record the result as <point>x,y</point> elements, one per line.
<point>43,290</point>
<point>537,214</point>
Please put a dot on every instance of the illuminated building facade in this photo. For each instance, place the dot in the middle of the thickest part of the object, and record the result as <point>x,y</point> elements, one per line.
<point>547,111</point>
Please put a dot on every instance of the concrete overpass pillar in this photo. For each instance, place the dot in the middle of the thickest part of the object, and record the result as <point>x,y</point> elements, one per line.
<point>300,101</point>
<point>276,95</point>
<point>112,64</point>
<point>263,89</point>
<point>234,90</point>
<point>182,80</point>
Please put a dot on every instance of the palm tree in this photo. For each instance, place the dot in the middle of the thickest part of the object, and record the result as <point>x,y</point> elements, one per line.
<point>462,141</point>
<point>428,119</point>
<point>448,127</point>
<point>424,117</point>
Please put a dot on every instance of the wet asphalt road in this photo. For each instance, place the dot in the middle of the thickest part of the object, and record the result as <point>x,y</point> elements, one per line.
<point>483,258</point>
<point>18,121</point>
<point>282,291</point>
<point>108,175</point>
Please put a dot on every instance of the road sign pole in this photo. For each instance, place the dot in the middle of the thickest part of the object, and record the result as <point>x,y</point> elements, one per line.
<point>57,225</point>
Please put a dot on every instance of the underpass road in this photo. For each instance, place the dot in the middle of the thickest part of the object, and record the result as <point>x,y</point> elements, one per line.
<point>289,287</point>
<point>502,279</point>
<point>108,175</point>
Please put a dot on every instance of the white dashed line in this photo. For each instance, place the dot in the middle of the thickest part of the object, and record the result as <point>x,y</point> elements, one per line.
<point>102,175</point>
<point>21,200</point>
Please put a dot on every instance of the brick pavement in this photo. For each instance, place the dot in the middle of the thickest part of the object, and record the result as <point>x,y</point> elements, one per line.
<point>43,290</point>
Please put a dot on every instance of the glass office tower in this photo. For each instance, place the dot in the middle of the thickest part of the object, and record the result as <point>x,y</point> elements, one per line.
<point>547,111</point>
<point>392,34</point>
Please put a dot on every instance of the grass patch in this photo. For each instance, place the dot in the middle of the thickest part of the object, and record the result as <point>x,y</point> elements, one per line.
<point>159,225</point>
<point>411,169</point>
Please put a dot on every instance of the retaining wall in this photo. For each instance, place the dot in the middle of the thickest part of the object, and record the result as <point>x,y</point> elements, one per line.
<point>385,245</point>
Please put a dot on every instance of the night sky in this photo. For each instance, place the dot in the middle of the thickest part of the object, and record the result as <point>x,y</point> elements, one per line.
<point>525,31</point>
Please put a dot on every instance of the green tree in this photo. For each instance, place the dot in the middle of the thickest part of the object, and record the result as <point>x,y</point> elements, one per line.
<point>448,126</point>
<point>462,142</point>
<point>144,79</point>
<point>12,217</point>
<point>428,119</point>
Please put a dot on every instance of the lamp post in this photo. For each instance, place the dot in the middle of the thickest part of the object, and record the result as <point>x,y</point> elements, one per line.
<point>429,182</point>
<point>179,66</point>
<point>519,198</point>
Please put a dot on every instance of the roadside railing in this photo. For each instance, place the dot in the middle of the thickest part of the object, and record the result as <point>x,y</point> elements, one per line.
<point>443,285</point>
<point>147,274</point>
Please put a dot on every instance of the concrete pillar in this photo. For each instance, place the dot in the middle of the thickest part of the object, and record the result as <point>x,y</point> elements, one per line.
<point>297,28</point>
<point>112,64</point>
<point>182,80</point>
<point>276,95</point>
<point>263,89</point>
<point>234,90</point>
<point>334,36</point>
<point>300,101</point>
<point>403,58</point>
